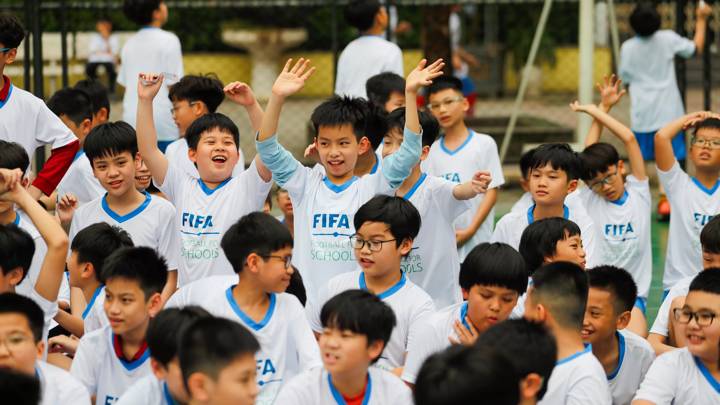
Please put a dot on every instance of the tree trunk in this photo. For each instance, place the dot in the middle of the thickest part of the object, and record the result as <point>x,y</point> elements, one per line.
<point>436,35</point>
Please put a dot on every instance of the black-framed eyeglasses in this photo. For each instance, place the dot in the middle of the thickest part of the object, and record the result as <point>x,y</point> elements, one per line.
<point>597,185</point>
<point>702,142</point>
<point>684,316</point>
<point>287,259</point>
<point>373,245</point>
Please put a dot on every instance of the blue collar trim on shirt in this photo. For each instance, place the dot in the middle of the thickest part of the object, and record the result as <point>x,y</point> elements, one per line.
<point>130,215</point>
<point>621,356</point>
<point>459,148</point>
<point>622,199</point>
<point>587,349</point>
<point>243,316</point>
<point>166,393</point>
<point>415,186</point>
<point>3,102</point>
<point>339,398</point>
<point>78,154</point>
<point>92,301</point>
<point>708,191</point>
<point>130,365</point>
<point>531,216</point>
<point>209,191</point>
<point>706,373</point>
<point>16,222</point>
<point>375,166</point>
<point>387,293</point>
<point>463,315</point>
<point>339,188</point>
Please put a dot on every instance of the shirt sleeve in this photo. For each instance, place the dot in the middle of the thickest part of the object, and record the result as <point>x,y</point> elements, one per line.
<point>661,326</point>
<point>173,183</point>
<point>174,57</point>
<point>313,307</point>
<point>675,181</point>
<point>640,188</point>
<point>307,346</point>
<point>660,382</point>
<point>296,392</point>
<point>500,232</point>
<point>624,70</point>
<point>420,349</point>
<point>681,46</point>
<point>450,207</point>
<point>278,160</point>
<point>395,64</point>
<point>168,239</point>
<point>421,312</point>
<point>56,166</point>
<point>590,244</point>
<point>84,366</point>
<point>492,163</point>
<point>255,188</point>
<point>589,390</point>
<point>397,167</point>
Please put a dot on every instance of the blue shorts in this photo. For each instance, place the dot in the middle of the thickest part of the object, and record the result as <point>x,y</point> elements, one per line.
<point>647,145</point>
<point>162,145</point>
<point>641,303</point>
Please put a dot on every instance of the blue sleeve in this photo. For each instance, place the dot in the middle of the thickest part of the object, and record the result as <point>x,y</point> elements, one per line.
<point>281,163</point>
<point>397,167</point>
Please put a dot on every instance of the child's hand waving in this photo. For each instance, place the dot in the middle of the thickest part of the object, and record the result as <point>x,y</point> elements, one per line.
<point>611,91</point>
<point>148,85</point>
<point>423,76</point>
<point>292,79</point>
<point>240,93</point>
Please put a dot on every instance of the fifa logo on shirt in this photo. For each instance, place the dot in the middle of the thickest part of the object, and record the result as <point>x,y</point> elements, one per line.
<point>702,219</point>
<point>454,177</point>
<point>197,221</point>
<point>618,230</point>
<point>331,221</point>
<point>110,400</point>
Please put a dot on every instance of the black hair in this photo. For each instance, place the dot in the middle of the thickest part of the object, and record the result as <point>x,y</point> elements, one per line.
<point>141,264</point>
<point>209,345</point>
<point>539,240</point>
<point>710,123</point>
<point>98,241</point>
<point>97,92</point>
<point>529,346</point>
<point>361,13</point>
<point>618,282</point>
<point>399,214</point>
<point>297,287</point>
<point>20,304</point>
<point>645,19</point>
<point>559,156</point>
<point>707,281</point>
<point>191,88</point>
<point>467,375</point>
<point>13,156</point>
<point>562,287</point>
<point>19,389</point>
<point>208,122</point>
<point>443,83</point>
<point>12,31</point>
<point>525,160</point>
<point>140,11</point>
<point>268,200</point>
<point>382,85</point>
<point>72,103</point>
<point>710,236</point>
<point>597,159</point>
<point>366,119</point>
<point>258,233</point>
<point>428,123</point>
<point>360,312</point>
<point>16,249</point>
<point>165,328</point>
<point>110,139</point>
<point>494,264</point>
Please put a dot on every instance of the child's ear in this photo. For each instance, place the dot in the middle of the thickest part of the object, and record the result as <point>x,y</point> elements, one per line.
<point>405,246</point>
<point>154,304</point>
<point>88,270</point>
<point>530,386</point>
<point>40,349</point>
<point>364,145</point>
<point>86,126</point>
<point>465,293</point>
<point>199,387</point>
<point>11,55</point>
<point>138,161</point>
<point>158,369</point>
<point>621,167</point>
<point>102,115</point>
<point>623,320</point>
<point>425,152</point>
<point>199,108</point>
<point>25,182</point>
<point>465,103</point>
<point>572,186</point>
<point>252,261</point>
<point>192,155</point>
<point>14,276</point>
<point>375,349</point>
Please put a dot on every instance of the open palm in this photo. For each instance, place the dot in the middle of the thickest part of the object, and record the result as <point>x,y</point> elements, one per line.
<point>423,76</point>
<point>292,79</point>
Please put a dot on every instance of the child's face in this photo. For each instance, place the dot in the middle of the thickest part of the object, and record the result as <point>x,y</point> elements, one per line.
<point>216,155</point>
<point>549,186</point>
<point>174,380</point>
<point>126,307</point>
<point>609,184</point>
<point>271,271</point>
<point>490,304</point>
<point>284,203</point>
<point>570,250</point>
<point>448,107</point>
<point>385,261</point>
<point>395,101</point>
<point>185,112</point>
<point>143,177</point>
<point>702,341</point>
<point>18,349</point>
<point>116,173</point>
<point>161,14</point>
<point>236,383</point>
<point>75,269</point>
<point>338,149</point>
<point>710,259</point>
<point>80,131</point>
<point>345,351</point>
<point>702,153</point>
<point>600,321</point>
<point>392,142</point>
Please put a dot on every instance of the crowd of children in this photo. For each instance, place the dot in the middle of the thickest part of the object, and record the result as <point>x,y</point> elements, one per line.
<point>160,280</point>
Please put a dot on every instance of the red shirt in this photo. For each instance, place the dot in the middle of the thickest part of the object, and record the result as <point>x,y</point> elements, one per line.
<point>6,88</point>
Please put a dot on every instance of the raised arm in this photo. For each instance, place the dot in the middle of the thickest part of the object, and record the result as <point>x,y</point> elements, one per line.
<point>420,77</point>
<point>611,92</point>
<point>479,184</point>
<point>702,12</point>
<point>664,157</point>
<point>290,81</point>
<point>148,86</point>
<point>240,93</point>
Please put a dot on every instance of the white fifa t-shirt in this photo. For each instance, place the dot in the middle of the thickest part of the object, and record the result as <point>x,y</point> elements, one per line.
<point>177,154</point>
<point>661,326</point>
<point>147,391</point>
<point>636,356</point>
<point>362,59</point>
<point>94,316</point>
<point>80,181</point>
<point>57,386</point>
<point>28,283</point>
<point>578,379</point>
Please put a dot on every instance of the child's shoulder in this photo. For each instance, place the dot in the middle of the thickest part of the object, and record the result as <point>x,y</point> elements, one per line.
<point>97,340</point>
<point>636,344</point>
<point>161,203</point>
<point>394,390</point>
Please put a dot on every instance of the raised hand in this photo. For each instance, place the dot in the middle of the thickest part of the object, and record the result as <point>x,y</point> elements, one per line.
<point>149,84</point>
<point>423,75</point>
<point>611,91</point>
<point>9,179</point>
<point>703,11</point>
<point>697,117</point>
<point>65,208</point>
<point>240,93</point>
<point>292,78</point>
<point>577,107</point>
<point>480,181</point>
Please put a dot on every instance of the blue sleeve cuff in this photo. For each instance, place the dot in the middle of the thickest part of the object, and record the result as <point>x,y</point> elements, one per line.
<point>281,163</point>
<point>397,167</point>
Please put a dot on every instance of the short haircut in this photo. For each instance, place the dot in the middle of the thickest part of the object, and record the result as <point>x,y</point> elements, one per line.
<point>165,328</point>
<point>428,123</point>
<point>597,159</point>
<point>525,160</point>
<point>360,312</point>
<point>140,11</point>
<point>13,156</point>
<point>97,92</point>
<point>110,139</point>
<point>18,388</point>
<point>193,88</point>
<point>98,241</point>
<point>645,19</point>
<point>618,282</point>
<point>562,287</point>
<point>710,236</point>
<point>366,119</point>
<point>211,344</point>
<point>141,264</point>
<point>707,281</point>
<point>494,264</point>
<point>529,346</point>
<point>560,157</point>
<point>257,233</point>
<point>467,375</point>
<point>11,31</point>
<point>209,122</point>
<point>382,85</point>
<point>539,240</point>
<point>361,13</point>
<point>399,214</point>
<point>16,249</point>
<point>710,123</point>
<point>443,83</point>
<point>72,103</point>
<point>12,303</point>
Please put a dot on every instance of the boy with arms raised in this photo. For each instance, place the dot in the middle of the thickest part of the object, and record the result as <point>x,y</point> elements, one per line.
<point>356,327</point>
<point>624,355</point>
<point>329,199</point>
<point>557,298</point>
<point>109,360</point>
<point>492,278</point>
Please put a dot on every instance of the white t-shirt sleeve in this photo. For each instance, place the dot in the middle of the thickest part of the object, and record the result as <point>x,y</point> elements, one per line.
<point>313,308</point>
<point>660,383</point>
<point>450,207</point>
<point>299,390</point>
<point>419,349</point>
<point>590,244</point>
<point>295,186</point>
<point>50,130</point>
<point>174,57</point>
<point>415,328</point>
<point>85,366</point>
<point>395,63</point>
<point>502,231</point>
<point>588,390</point>
<point>173,183</point>
<point>255,187</point>
<point>681,46</point>
<point>674,181</point>
<point>661,326</point>
<point>307,346</point>
<point>169,240</point>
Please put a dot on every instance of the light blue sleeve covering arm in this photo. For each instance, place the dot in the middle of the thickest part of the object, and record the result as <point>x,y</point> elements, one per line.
<point>397,167</point>
<point>281,163</point>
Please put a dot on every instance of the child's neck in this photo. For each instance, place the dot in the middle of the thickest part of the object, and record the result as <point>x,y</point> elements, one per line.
<point>608,353</point>
<point>375,30</point>
<point>89,290</point>
<point>365,163</point>
<point>122,204</point>
<point>381,283</point>
<point>707,178</point>
<point>132,340</point>
<point>548,211</point>
<point>251,298</point>
<point>340,180</point>
<point>409,181</point>
<point>8,216</point>
<point>569,342</point>
<point>155,24</point>
<point>351,383</point>
<point>456,133</point>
